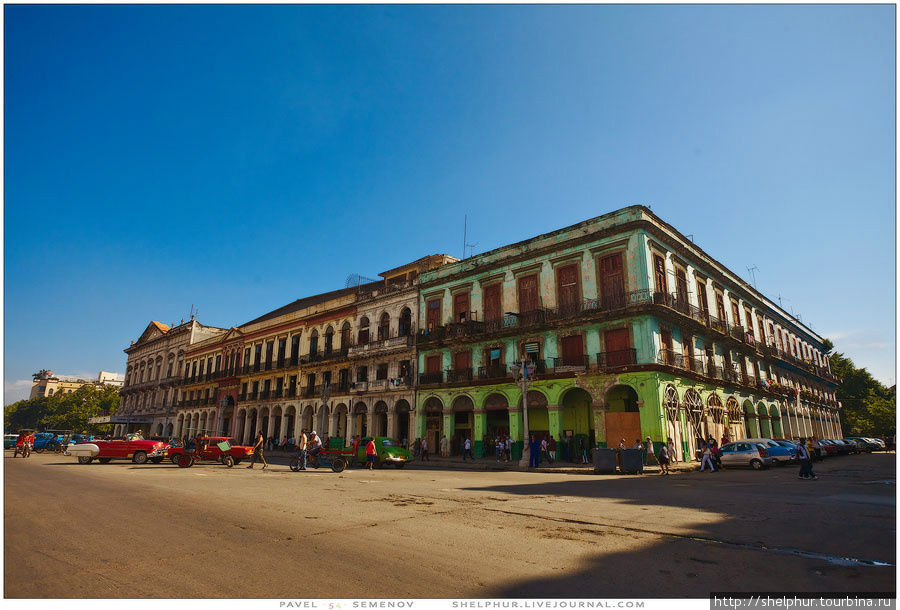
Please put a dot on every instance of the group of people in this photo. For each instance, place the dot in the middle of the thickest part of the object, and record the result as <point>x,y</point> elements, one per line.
<point>24,444</point>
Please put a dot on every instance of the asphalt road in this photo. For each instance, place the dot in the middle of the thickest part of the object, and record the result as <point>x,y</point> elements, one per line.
<point>121,530</point>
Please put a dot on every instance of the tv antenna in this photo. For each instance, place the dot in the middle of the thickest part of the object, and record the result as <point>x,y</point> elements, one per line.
<point>355,279</point>
<point>752,271</point>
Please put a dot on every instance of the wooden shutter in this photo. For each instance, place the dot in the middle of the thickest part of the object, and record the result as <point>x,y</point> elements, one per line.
<point>461,307</point>
<point>617,349</point>
<point>433,315</point>
<point>665,337</point>
<point>659,273</point>
<point>528,294</point>
<point>462,360</point>
<point>735,313</point>
<point>493,309</point>
<point>573,350</point>
<point>567,288</point>
<point>433,364</point>
<point>701,296</point>
<point>612,281</point>
<point>720,307</point>
<point>681,285</point>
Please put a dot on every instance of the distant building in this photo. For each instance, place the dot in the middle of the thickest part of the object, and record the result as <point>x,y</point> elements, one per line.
<point>47,384</point>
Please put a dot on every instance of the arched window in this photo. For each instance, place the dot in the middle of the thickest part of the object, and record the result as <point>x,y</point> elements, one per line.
<point>329,340</point>
<point>384,326</point>
<point>405,324</point>
<point>313,344</point>
<point>363,336</point>
<point>345,335</point>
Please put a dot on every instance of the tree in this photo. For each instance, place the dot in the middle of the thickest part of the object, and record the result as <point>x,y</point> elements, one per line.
<point>869,408</point>
<point>63,411</point>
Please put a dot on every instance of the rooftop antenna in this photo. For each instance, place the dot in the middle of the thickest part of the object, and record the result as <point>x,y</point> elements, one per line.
<point>471,248</point>
<point>690,236</point>
<point>752,271</point>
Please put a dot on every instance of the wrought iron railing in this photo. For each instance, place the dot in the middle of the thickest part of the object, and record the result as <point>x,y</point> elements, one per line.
<point>431,378</point>
<point>457,375</point>
<point>616,358</point>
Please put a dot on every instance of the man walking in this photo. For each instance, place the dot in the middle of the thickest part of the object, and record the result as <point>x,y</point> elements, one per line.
<point>467,450</point>
<point>258,452</point>
<point>806,471</point>
<point>371,454</point>
<point>425,449</point>
<point>534,455</point>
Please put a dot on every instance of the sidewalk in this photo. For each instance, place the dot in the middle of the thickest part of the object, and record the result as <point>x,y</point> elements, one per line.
<point>491,463</point>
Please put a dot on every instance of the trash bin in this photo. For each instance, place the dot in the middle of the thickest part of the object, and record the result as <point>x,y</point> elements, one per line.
<point>604,461</point>
<point>632,461</point>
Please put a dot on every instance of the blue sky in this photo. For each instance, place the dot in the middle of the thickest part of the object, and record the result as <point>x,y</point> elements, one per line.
<point>239,157</point>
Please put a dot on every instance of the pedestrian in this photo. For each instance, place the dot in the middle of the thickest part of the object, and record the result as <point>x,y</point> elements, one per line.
<point>258,452</point>
<point>508,445</point>
<point>544,455</point>
<point>445,447</point>
<point>425,449</point>
<point>638,445</point>
<point>663,459</point>
<point>650,453</point>
<point>301,456</point>
<point>467,450</point>
<point>551,446</point>
<point>716,454</point>
<point>673,456</point>
<point>566,452</point>
<point>806,471</point>
<point>534,455</point>
<point>584,452</point>
<point>707,458</point>
<point>371,454</point>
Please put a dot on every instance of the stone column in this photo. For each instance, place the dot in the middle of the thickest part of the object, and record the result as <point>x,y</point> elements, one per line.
<point>391,422</point>
<point>449,428</point>
<point>598,413</point>
<point>516,431</point>
<point>554,412</point>
<point>370,422</point>
<point>479,424</point>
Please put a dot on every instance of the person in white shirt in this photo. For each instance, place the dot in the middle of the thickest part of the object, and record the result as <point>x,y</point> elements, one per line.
<point>650,452</point>
<point>467,449</point>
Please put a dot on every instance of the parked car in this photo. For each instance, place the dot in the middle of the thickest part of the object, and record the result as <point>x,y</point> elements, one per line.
<point>842,447</point>
<point>210,450</point>
<point>9,441</point>
<point>829,447</point>
<point>81,438</point>
<point>780,453</point>
<point>388,451</point>
<point>746,453</point>
<point>864,443</point>
<point>881,444</point>
<point>45,441</point>
<point>859,444</point>
<point>138,451</point>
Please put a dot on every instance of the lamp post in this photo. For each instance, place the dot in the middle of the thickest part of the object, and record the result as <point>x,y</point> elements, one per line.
<point>523,378</point>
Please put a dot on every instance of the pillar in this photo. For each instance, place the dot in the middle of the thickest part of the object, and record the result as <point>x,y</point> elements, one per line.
<point>370,423</point>
<point>449,428</point>
<point>598,413</point>
<point>419,423</point>
<point>516,425</point>
<point>479,424</point>
<point>554,412</point>
<point>391,422</point>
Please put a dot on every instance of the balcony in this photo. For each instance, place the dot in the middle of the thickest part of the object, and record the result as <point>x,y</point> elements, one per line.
<point>242,397</point>
<point>670,357</point>
<point>570,363</point>
<point>431,378</point>
<point>616,359</point>
<point>459,375</point>
<point>376,345</point>
<point>378,384</point>
<point>737,333</point>
<point>696,364</point>
<point>359,386</point>
<point>494,371</point>
<point>315,357</point>
<point>277,393</point>
<point>252,396</point>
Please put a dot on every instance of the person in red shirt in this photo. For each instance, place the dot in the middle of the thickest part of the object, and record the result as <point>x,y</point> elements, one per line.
<point>371,454</point>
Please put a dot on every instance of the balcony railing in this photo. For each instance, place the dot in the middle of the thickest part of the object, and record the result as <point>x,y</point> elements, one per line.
<point>670,357</point>
<point>378,384</point>
<point>696,364</point>
<point>569,363</point>
<point>431,378</point>
<point>359,386</point>
<point>242,397</point>
<point>494,371</point>
<point>616,359</point>
<point>737,332</point>
<point>458,375</point>
<point>379,344</point>
<point>252,396</point>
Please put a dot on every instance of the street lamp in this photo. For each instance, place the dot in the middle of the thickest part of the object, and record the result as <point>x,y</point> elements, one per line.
<point>523,373</point>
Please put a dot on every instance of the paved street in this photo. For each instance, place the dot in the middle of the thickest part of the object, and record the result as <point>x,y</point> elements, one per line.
<point>121,530</point>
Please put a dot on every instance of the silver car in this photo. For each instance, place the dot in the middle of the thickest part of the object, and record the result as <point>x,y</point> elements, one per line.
<point>746,453</point>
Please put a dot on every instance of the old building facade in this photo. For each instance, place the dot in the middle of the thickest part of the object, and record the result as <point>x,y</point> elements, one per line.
<point>153,374</point>
<point>629,330</point>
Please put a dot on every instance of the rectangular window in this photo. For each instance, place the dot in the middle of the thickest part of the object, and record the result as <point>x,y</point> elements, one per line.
<point>612,281</point>
<point>404,369</point>
<point>311,380</point>
<point>617,348</point>
<point>218,363</point>
<point>462,360</point>
<point>433,364</point>
<point>433,314</point>
<point>295,347</point>
<point>270,346</point>
<point>461,307</point>
<point>659,274</point>
<point>668,355</point>
<point>748,319</point>
<point>528,294</point>
<point>720,307</point>
<point>701,297</point>
<point>326,378</point>
<point>681,290</point>
<point>493,308</point>
<point>493,356</point>
<point>382,371</point>
<point>572,350</point>
<point>362,373</point>
<point>247,357</point>
<point>282,344</point>
<point>567,289</point>
<point>735,313</point>
<point>257,356</point>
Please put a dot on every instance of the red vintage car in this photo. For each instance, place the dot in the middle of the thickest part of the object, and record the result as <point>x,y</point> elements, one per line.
<point>138,451</point>
<point>210,451</point>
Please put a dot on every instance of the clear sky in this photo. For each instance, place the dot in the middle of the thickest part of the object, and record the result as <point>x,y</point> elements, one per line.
<point>239,157</point>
